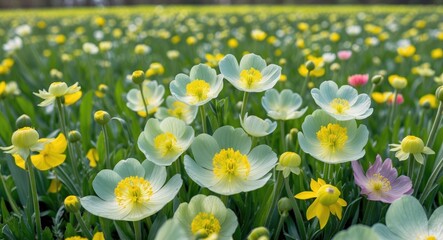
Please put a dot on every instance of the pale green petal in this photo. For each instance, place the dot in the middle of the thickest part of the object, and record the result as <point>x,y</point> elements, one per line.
<point>106,209</point>
<point>228,137</point>
<point>213,204</point>
<point>167,192</point>
<point>174,126</point>
<point>252,61</point>
<point>201,176</point>
<point>155,174</point>
<point>104,184</point>
<point>348,93</point>
<point>184,217</point>
<point>171,230</point>
<point>406,218</point>
<point>270,76</point>
<point>419,157</point>
<point>262,159</point>
<point>360,232</point>
<point>204,149</point>
<point>203,72</point>
<point>128,168</point>
<point>229,68</point>
<point>256,126</point>
<point>229,225</point>
<point>271,100</point>
<point>178,87</point>
<point>384,233</point>
<point>436,223</point>
<point>427,150</point>
<point>195,206</point>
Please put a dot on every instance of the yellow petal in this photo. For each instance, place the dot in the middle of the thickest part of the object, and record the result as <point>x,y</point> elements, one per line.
<point>321,182</point>
<point>39,162</point>
<point>72,98</point>
<point>322,215</point>
<point>314,185</point>
<point>19,161</point>
<point>312,210</point>
<point>342,202</point>
<point>92,156</point>
<point>59,144</point>
<point>336,210</point>
<point>55,186</point>
<point>2,87</point>
<point>306,195</point>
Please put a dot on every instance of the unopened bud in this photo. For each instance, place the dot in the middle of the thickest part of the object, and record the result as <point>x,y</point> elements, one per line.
<point>23,121</point>
<point>74,136</point>
<point>102,117</point>
<point>439,93</point>
<point>284,205</point>
<point>310,65</point>
<point>377,79</point>
<point>138,76</point>
<point>257,233</point>
<point>72,204</point>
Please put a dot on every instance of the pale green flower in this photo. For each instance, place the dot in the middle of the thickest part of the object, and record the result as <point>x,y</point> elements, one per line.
<point>163,142</point>
<point>407,220</point>
<point>206,216</point>
<point>256,126</point>
<point>342,103</point>
<point>201,86</point>
<point>330,140</point>
<point>360,232</point>
<point>177,109</point>
<point>411,145</point>
<point>225,164</point>
<point>132,191</point>
<point>56,89</point>
<point>171,230</point>
<point>251,75</point>
<point>283,106</point>
<point>153,93</point>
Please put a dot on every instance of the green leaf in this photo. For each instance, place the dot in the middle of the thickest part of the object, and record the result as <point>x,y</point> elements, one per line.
<point>26,107</point>
<point>86,118</point>
<point>6,131</point>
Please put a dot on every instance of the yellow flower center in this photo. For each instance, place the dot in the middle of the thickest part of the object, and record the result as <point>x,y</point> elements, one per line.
<point>205,223</point>
<point>166,143</point>
<point>133,190</point>
<point>58,89</point>
<point>340,105</point>
<point>412,144</point>
<point>198,89</point>
<point>333,137</point>
<point>328,195</point>
<point>178,110</point>
<point>231,164</point>
<point>431,238</point>
<point>24,137</point>
<point>379,183</point>
<point>250,77</point>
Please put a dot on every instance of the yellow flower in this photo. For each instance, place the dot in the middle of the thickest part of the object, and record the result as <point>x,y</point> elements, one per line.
<point>302,26</point>
<point>191,40</point>
<point>72,98</point>
<point>101,90</point>
<point>100,21</point>
<point>213,60</point>
<point>98,236</point>
<point>24,140</point>
<point>175,39</point>
<point>2,87</point>
<point>57,89</point>
<point>92,156</point>
<point>327,201</point>
<point>258,35</point>
<point>437,53</point>
<point>398,82</point>
<point>318,70</point>
<point>334,37</point>
<point>155,68</point>
<point>407,51</point>
<point>52,154</point>
<point>55,186</point>
<point>233,43</point>
<point>430,99</point>
<point>300,43</point>
<point>76,238</point>
<point>60,39</point>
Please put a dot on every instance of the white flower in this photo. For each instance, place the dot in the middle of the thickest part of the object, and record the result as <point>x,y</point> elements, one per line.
<point>177,109</point>
<point>90,48</point>
<point>256,126</point>
<point>12,45</point>
<point>56,89</point>
<point>153,93</point>
<point>328,57</point>
<point>344,103</point>
<point>283,106</point>
<point>353,30</point>
<point>23,30</point>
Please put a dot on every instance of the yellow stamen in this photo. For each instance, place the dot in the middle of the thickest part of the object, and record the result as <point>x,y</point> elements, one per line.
<point>206,224</point>
<point>431,238</point>
<point>133,190</point>
<point>231,164</point>
<point>166,143</point>
<point>379,183</point>
<point>333,137</point>
<point>198,89</point>
<point>250,77</point>
<point>340,105</point>
<point>178,110</point>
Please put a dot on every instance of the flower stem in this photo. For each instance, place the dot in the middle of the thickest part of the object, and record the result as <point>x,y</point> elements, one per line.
<point>34,196</point>
<point>244,103</point>
<point>305,84</point>
<point>106,136</point>
<point>298,217</point>
<point>203,118</point>
<point>394,107</point>
<point>9,196</point>
<point>411,167</point>
<point>282,136</point>
<point>137,230</point>
<point>143,98</point>
<point>275,195</point>
<point>281,222</point>
<point>430,183</point>
<point>83,226</point>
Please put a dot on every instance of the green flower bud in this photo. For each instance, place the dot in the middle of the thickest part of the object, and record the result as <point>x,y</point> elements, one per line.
<point>102,117</point>
<point>259,233</point>
<point>439,93</point>
<point>138,76</point>
<point>72,204</point>
<point>310,65</point>
<point>23,121</point>
<point>284,205</point>
<point>377,79</point>
<point>74,136</point>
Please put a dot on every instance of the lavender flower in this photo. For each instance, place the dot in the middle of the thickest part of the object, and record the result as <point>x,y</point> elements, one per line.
<point>381,182</point>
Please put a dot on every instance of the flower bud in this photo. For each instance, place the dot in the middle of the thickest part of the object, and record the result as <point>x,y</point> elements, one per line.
<point>23,121</point>
<point>398,82</point>
<point>102,117</point>
<point>24,137</point>
<point>310,65</point>
<point>377,79</point>
<point>412,144</point>
<point>328,195</point>
<point>72,204</point>
<point>58,89</point>
<point>439,93</point>
<point>335,67</point>
<point>259,233</point>
<point>284,205</point>
<point>290,159</point>
<point>74,136</point>
<point>138,76</point>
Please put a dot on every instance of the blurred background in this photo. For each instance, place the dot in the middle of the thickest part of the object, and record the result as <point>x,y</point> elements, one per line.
<point>73,3</point>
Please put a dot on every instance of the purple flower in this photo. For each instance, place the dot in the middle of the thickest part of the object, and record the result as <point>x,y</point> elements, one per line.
<point>381,182</point>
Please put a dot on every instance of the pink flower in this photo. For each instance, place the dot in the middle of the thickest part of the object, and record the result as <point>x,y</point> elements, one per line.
<point>358,80</point>
<point>344,54</point>
<point>381,181</point>
<point>400,98</point>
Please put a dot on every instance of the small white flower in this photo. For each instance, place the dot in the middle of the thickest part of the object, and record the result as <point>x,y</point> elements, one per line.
<point>23,30</point>
<point>284,105</point>
<point>90,48</point>
<point>256,126</point>
<point>12,45</point>
<point>328,57</point>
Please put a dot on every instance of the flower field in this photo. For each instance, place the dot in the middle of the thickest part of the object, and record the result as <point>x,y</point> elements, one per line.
<point>222,123</point>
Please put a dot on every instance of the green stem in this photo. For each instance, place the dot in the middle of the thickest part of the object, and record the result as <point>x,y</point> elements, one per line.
<point>276,191</point>
<point>83,226</point>
<point>143,98</point>
<point>137,230</point>
<point>430,183</point>
<point>244,103</point>
<point>106,136</point>
<point>298,217</point>
<point>34,196</point>
<point>203,118</point>
<point>282,136</point>
<point>9,195</point>
<point>326,171</point>
<point>372,89</point>
<point>411,167</point>
<point>305,84</point>
<point>394,107</point>
<point>281,222</point>
<point>369,213</point>
<point>225,200</point>
<point>435,125</point>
